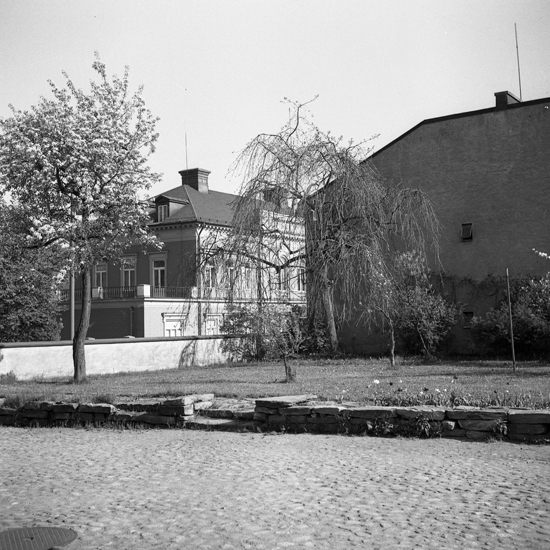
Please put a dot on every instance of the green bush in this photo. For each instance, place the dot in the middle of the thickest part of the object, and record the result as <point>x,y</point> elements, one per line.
<point>530,299</point>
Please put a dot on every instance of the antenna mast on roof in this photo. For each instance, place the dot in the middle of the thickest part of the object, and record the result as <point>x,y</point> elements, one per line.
<point>186,163</point>
<point>517,53</point>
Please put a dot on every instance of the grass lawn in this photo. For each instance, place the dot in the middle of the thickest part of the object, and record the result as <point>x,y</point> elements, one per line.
<point>479,383</point>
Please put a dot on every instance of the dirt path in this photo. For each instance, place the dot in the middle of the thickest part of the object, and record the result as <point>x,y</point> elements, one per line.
<point>176,489</point>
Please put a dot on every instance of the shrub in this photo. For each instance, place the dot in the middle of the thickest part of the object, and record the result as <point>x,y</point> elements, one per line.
<point>530,298</point>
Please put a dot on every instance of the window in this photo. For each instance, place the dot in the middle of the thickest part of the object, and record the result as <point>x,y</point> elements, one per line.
<point>209,279</point>
<point>301,279</point>
<point>100,276</point>
<point>173,326</point>
<point>467,317</point>
<point>159,273</point>
<point>129,272</point>
<point>467,233</point>
<point>212,324</point>
<point>162,212</point>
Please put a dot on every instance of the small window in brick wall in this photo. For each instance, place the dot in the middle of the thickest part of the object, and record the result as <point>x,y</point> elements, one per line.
<point>467,233</point>
<point>467,317</point>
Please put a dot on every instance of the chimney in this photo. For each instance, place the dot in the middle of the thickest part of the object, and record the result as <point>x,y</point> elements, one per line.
<point>504,99</point>
<point>197,178</point>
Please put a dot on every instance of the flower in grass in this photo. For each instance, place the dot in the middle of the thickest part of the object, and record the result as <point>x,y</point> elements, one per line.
<point>437,390</point>
<point>376,381</point>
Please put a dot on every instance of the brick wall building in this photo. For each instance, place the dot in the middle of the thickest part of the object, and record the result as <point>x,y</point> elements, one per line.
<point>487,173</point>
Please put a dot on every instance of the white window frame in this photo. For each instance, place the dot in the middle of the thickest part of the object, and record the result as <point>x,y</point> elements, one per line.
<point>301,279</point>
<point>128,264</point>
<point>158,291</point>
<point>209,276</point>
<point>173,325</point>
<point>100,275</point>
<point>162,212</point>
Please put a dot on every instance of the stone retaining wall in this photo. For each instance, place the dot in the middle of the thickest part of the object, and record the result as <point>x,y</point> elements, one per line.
<point>304,414</point>
<point>295,414</point>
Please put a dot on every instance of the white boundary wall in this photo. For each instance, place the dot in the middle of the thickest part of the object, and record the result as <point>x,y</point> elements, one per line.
<point>54,359</point>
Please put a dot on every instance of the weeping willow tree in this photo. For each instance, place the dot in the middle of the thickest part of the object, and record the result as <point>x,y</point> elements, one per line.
<point>310,199</point>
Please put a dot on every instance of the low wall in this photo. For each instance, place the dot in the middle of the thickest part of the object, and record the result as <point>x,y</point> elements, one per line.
<point>290,414</point>
<point>54,359</point>
<point>303,414</point>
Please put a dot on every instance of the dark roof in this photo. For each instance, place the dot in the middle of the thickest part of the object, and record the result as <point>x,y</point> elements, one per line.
<point>458,115</point>
<point>213,207</point>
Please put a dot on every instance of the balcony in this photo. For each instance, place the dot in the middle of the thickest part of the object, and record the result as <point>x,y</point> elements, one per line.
<point>182,293</point>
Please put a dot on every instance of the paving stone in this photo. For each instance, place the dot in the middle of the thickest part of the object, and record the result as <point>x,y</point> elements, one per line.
<point>260,416</point>
<point>259,491</point>
<point>529,417</point>
<point>47,405</point>
<point>7,411</point>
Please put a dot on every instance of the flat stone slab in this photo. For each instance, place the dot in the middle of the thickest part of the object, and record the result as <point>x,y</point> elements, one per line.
<point>529,417</point>
<point>295,411</point>
<point>222,424</point>
<point>372,412</point>
<point>471,413</point>
<point>188,399</point>
<point>36,538</point>
<point>429,413</point>
<point>102,408</point>
<point>140,405</point>
<point>284,401</point>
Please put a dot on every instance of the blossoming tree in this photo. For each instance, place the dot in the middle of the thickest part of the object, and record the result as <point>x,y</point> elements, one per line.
<point>76,165</point>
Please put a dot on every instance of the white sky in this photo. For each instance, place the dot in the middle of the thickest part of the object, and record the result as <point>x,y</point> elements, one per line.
<point>219,69</point>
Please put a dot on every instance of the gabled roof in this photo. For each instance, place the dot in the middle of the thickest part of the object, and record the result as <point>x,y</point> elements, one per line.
<point>456,116</point>
<point>213,207</point>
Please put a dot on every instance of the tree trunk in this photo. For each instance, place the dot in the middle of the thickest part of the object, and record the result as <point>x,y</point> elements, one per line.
<point>329,314</point>
<point>290,370</point>
<point>79,356</point>
<point>392,345</point>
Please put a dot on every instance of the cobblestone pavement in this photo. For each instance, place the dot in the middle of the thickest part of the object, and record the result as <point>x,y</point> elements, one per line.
<point>179,489</point>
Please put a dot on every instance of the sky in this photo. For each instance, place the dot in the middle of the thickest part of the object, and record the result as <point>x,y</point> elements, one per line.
<point>218,71</point>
